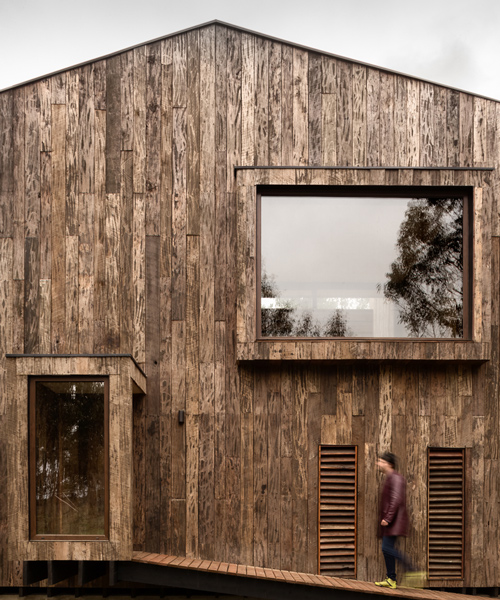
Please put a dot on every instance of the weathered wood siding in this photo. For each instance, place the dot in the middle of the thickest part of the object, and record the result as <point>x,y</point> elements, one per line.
<point>118,233</point>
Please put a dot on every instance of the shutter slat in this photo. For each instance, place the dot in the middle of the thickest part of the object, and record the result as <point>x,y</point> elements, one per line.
<point>446,513</point>
<point>337,511</point>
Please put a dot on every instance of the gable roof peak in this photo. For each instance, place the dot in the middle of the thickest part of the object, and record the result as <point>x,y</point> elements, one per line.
<point>215,22</point>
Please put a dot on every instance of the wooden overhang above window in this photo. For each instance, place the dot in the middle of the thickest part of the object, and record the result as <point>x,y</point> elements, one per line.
<point>251,347</point>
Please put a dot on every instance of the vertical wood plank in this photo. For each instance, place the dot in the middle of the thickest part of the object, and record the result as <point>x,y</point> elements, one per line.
<point>221,149</point>
<point>179,216</point>
<point>86,259</point>
<point>126,100</point>
<point>139,469</point>
<point>45,215</point>
<point>480,131</point>
<point>246,551</point>
<point>126,267</point>
<point>72,148</point>
<point>275,103</point>
<point>113,124</point>
<point>387,123</point>
<point>32,164</point>
<point>139,273</point>
<point>287,105</point>
<point>7,127</point>
<point>111,274</point>
<point>260,472</point>
<point>427,124</point>
<point>299,473</point>
<point>248,99</point>
<point>234,106</point>
<point>18,199</point>
<point>453,127</point>
<point>152,309</point>
<point>166,481</point>
<point>261,114</point>
<point>58,216</point>
<point>314,107</point>
<point>71,325</point>
<point>99,234</point>
<point>220,410</point>
<point>207,197</point>
<point>86,174</point>
<point>344,114</point>
<point>274,474</point>
<point>152,497</point>
<point>314,401</point>
<point>466,130</point>
<point>192,392</point>
<point>359,115</point>
<point>166,183</point>
<point>300,107</point>
<point>140,120</point>
<point>178,403</point>
<point>31,296</point>
<point>329,129</point>
<point>99,85</point>
<point>413,123</point>
<point>373,117</point>
<point>193,133</point>
<point>440,123</point>
<point>385,409</point>
<point>179,58</point>
<point>153,131</point>
<point>477,513</point>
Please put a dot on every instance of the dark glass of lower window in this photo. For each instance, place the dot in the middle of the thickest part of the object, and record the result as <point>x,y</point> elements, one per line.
<point>68,458</point>
<point>364,264</point>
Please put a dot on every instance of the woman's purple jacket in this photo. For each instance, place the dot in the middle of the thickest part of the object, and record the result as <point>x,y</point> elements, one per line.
<point>393,506</point>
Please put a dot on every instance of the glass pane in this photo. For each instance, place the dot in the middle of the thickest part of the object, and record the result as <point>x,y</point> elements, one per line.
<point>70,486</point>
<point>361,267</point>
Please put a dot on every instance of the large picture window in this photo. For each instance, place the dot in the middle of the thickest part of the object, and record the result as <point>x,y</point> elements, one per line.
<point>68,457</point>
<point>378,262</point>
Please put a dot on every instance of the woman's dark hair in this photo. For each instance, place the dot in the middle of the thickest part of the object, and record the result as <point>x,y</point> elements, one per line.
<point>390,458</point>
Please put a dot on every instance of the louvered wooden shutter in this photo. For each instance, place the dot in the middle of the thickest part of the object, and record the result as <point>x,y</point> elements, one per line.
<point>446,513</point>
<point>337,511</point>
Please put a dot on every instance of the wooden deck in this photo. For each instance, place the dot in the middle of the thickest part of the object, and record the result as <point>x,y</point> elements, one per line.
<point>291,577</point>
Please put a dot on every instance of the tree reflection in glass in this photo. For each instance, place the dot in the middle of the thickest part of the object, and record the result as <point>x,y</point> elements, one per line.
<point>426,279</point>
<point>70,455</point>
<point>334,266</point>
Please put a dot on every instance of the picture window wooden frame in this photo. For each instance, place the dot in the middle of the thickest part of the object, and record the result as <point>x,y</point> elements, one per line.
<point>253,348</point>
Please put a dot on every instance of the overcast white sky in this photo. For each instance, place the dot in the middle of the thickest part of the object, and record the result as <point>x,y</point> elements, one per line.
<point>453,42</point>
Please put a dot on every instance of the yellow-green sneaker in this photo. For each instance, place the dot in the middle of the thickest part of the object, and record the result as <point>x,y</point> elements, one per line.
<point>388,583</point>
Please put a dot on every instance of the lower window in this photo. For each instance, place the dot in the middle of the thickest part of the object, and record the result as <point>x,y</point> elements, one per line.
<point>69,494</point>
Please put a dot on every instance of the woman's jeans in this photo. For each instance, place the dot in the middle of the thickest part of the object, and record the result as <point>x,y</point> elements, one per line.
<point>390,555</point>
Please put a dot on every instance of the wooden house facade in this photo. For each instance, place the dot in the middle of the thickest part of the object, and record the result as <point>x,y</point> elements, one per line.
<point>129,251</point>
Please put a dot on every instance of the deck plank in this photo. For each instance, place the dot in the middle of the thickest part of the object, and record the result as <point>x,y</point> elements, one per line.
<point>295,577</point>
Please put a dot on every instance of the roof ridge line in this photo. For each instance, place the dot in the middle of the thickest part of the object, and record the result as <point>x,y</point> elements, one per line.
<point>252,32</point>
